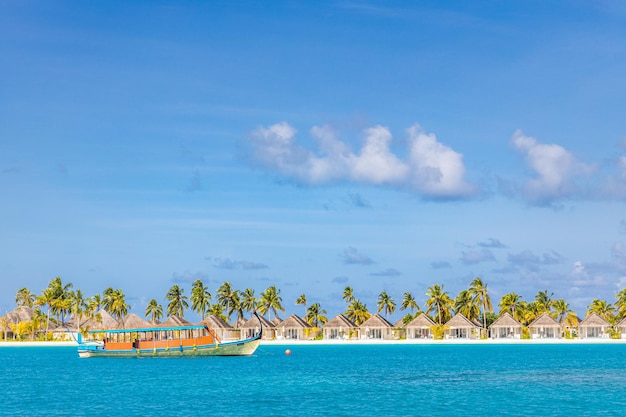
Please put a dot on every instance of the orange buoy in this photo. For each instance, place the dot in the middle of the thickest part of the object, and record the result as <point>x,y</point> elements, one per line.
<point>287,352</point>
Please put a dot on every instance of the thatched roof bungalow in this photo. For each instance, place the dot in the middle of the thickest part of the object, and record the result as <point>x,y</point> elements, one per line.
<point>133,321</point>
<point>593,326</point>
<point>251,328</point>
<point>505,327</point>
<point>460,327</point>
<point>545,327</point>
<point>376,327</point>
<point>175,320</point>
<point>223,330</point>
<point>339,327</point>
<point>293,328</point>
<point>419,328</point>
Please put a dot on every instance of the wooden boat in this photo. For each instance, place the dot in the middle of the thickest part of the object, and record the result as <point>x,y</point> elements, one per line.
<point>191,340</point>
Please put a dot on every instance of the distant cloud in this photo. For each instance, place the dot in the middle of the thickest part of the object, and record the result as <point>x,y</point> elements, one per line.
<point>432,169</point>
<point>351,256</point>
<point>340,280</point>
<point>440,265</point>
<point>227,263</point>
<point>555,170</point>
<point>10,170</point>
<point>188,277</point>
<point>358,201</point>
<point>389,272</point>
<point>492,243</point>
<point>477,256</point>
<point>195,183</point>
<point>528,260</point>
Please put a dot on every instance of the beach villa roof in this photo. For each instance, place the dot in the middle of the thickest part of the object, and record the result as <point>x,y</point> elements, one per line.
<point>18,315</point>
<point>459,321</point>
<point>174,321</point>
<point>505,320</point>
<point>420,322</point>
<point>133,321</point>
<point>293,322</point>
<point>399,324</point>
<point>276,321</point>
<point>339,322</point>
<point>622,323</point>
<point>594,320</point>
<point>216,322</point>
<point>544,320</point>
<point>253,323</point>
<point>376,321</point>
<point>101,320</point>
<point>238,323</point>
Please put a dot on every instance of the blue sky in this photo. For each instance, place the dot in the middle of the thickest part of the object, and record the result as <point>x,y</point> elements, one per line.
<point>314,145</point>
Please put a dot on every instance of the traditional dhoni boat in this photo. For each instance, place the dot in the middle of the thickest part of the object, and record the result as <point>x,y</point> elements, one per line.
<point>190,340</point>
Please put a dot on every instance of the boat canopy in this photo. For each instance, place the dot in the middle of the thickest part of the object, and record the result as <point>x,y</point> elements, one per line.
<point>150,329</point>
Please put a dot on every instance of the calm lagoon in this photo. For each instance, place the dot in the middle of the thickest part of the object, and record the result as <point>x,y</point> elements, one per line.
<point>315,380</point>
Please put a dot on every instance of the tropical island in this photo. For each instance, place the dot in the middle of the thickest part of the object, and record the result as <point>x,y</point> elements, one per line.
<point>60,309</point>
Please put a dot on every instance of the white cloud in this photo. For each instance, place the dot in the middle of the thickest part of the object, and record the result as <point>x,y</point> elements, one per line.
<point>432,169</point>
<point>436,168</point>
<point>554,166</point>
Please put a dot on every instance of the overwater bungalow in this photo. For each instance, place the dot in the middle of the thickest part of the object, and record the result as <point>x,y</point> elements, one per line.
<point>223,330</point>
<point>505,327</point>
<point>420,328</point>
<point>460,327</point>
<point>251,328</point>
<point>545,327</point>
<point>593,326</point>
<point>376,327</point>
<point>339,327</point>
<point>293,328</point>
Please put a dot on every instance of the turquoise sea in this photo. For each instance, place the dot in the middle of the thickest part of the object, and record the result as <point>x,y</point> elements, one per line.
<point>330,380</point>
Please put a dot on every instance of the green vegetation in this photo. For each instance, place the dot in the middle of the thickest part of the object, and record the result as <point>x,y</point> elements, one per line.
<point>60,301</point>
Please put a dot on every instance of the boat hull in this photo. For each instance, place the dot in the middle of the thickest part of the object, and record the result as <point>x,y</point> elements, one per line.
<point>236,348</point>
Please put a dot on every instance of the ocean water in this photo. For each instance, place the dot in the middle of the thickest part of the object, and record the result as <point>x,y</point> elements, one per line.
<point>324,380</point>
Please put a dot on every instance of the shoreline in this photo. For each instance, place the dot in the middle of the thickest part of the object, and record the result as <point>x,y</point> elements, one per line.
<point>290,342</point>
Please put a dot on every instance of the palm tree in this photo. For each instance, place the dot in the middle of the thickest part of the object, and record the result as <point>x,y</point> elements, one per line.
<point>440,302</point>
<point>236,306</point>
<point>154,311</point>
<point>61,302</point>
<point>510,303</point>
<point>408,301</point>
<point>302,300</point>
<point>24,298</point>
<point>386,303</point>
<point>620,304</point>
<point>271,301</point>
<point>465,304</point>
<point>225,295</point>
<point>116,300</point>
<point>315,315</point>
<point>478,290</point>
<point>46,299</point>
<point>200,297</point>
<point>603,309</point>
<point>177,301</point>
<point>37,320</point>
<point>544,301</point>
<point>357,312</point>
<point>77,308</point>
<point>564,314</point>
<point>248,300</point>
<point>348,295</point>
